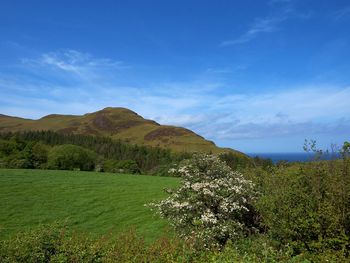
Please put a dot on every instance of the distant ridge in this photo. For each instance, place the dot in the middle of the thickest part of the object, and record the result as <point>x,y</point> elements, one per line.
<point>117,123</point>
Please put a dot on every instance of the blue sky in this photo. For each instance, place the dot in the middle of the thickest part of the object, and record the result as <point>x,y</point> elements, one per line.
<point>257,76</point>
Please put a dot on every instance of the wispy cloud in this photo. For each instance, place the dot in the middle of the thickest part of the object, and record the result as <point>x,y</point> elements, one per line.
<point>74,61</point>
<point>226,70</point>
<point>264,25</point>
<point>281,10</point>
<point>341,13</point>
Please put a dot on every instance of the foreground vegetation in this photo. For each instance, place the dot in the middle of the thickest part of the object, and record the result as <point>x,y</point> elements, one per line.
<point>95,203</point>
<point>52,243</point>
<point>268,213</point>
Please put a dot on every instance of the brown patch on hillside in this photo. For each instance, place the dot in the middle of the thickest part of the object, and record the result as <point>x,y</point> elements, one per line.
<point>68,130</point>
<point>11,126</point>
<point>102,122</point>
<point>74,123</point>
<point>164,132</point>
<point>89,130</point>
<point>126,125</point>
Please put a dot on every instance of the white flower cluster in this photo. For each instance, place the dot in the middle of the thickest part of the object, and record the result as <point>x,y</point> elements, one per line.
<point>210,202</point>
<point>208,217</point>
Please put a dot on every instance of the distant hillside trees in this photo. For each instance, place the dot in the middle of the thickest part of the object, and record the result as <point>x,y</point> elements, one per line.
<point>236,161</point>
<point>147,158</point>
<point>31,149</point>
<point>123,156</point>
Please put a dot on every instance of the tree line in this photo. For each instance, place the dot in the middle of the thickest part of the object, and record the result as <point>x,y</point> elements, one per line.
<point>52,150</point>
<point>48,149</point>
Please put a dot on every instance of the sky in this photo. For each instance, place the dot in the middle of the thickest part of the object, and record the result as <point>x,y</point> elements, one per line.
<point>256,76</point>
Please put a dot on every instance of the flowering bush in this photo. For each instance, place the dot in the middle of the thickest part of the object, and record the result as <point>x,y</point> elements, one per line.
<point>213,203</point>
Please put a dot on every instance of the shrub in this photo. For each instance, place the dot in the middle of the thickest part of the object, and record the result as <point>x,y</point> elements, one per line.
<point>70,157</point>
<point>39,153</point>
<point>34,155</point>
<point>123,166</point>
<point>213,203</point>
<point>53,243</point>
<point>308,205</point>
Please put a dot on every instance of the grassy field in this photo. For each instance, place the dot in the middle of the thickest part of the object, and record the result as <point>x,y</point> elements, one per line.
<point>95,203</point>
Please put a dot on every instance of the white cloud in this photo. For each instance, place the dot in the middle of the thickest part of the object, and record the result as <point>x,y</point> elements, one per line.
<point>286,112</point>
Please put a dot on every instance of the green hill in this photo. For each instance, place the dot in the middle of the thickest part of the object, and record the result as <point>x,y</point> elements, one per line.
<point>117,123</point>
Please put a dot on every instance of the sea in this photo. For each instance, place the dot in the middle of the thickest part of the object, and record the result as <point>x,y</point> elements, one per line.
<point>294,157</point>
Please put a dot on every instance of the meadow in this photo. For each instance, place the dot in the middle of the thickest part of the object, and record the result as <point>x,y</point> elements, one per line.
<point>94,203</point>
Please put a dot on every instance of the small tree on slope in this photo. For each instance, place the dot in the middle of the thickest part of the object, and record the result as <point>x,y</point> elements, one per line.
<point>212,204</point>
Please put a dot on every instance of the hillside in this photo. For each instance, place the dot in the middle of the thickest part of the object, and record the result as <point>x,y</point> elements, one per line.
<point>117,123</point>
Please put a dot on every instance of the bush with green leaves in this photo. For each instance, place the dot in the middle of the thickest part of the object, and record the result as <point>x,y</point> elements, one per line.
<point>15,153</point>
<point>121,166</point>
<point>55,243</point>
<point>307,205</point>
<point>71,157</point>
<point>213,203</point>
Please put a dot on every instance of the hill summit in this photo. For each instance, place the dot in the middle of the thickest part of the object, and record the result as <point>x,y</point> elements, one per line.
<point>117,123</point>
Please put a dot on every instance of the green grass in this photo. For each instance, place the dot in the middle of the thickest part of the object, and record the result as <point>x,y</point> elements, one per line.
<point>95,203</point>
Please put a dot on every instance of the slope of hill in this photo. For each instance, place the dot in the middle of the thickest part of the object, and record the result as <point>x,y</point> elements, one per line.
<point>117,123</point>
